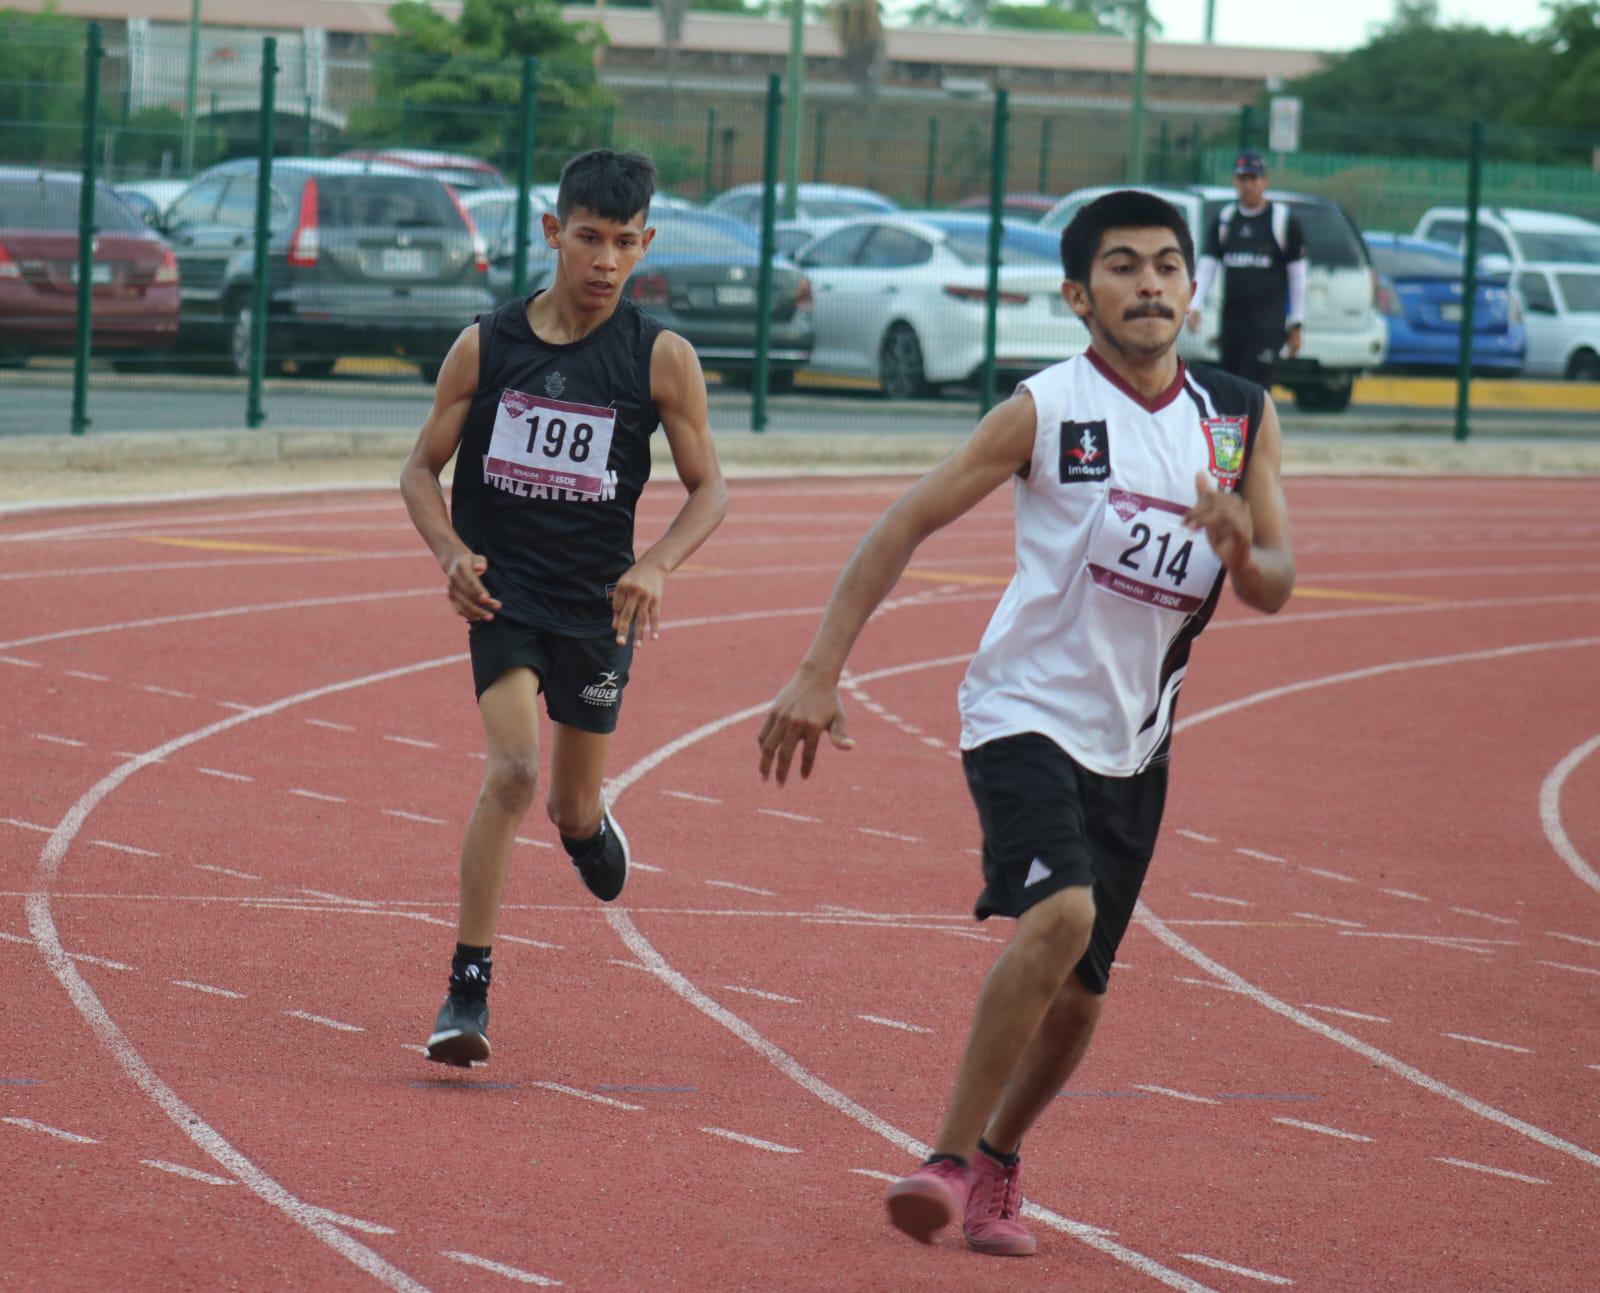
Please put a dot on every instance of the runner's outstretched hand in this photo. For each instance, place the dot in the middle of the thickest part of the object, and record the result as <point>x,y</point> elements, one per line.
<point>805,709</point>
<point>467,593</point>
<point>636,603</point>
<point>1225,517</point>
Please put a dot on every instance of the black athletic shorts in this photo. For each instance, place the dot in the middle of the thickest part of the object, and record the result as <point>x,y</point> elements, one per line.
<point>1250,349</point>
<point>582,678</point>
<point>1049,824</point>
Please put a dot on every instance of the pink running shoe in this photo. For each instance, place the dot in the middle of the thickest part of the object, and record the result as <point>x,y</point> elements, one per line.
<point>928,1200</point>
<point>991,1224</point>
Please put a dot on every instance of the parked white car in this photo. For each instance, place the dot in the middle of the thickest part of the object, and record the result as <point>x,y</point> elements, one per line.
<point>1518,235</point>
<point>1344,334</point>
<point>1561,312</point>
<point>901,298</point>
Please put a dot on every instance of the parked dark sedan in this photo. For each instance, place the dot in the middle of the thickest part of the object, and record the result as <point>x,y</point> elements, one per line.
<point>699,280</point>
<point>134,277</point>
<point>1420,297</point>
<point>364,259</point>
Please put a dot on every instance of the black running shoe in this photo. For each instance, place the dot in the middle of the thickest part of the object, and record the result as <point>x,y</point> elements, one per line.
<point>461,1033</point>
<point>605,869</point>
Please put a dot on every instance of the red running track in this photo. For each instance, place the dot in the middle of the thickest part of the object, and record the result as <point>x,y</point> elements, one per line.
<point>1355,1042</point>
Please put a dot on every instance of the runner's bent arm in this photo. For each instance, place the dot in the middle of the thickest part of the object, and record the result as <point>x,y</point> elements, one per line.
<point>678,388</point>
<point>809,703</point>
<point>419,479</point>
<point>1249,530</point>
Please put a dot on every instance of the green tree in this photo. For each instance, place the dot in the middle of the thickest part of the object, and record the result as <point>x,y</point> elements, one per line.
<point>457,85</point>
<point>1573,39</point>
<point>41,86</point>
<point>1108,17</point>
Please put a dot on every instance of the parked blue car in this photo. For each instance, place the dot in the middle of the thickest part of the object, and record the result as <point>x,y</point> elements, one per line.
<point>1420,298</point>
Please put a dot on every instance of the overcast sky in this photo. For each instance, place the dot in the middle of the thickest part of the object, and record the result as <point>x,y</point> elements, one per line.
<point>1328,24</point>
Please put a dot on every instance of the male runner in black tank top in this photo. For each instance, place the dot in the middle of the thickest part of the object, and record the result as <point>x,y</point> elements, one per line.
<point>551,402</point>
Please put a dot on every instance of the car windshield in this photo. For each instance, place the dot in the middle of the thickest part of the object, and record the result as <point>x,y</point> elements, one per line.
<point>1415,262</point>
<point>384,201</point>
<point>1331,240</point>
<point>1581,247</point>
<point>969,240</point>
<point>704,237</point>
<point>1582,292</point>
<point>53,204</point>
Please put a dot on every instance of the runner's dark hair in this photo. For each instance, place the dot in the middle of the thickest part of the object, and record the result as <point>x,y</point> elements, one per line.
<point>1123,209</point>
<point>615,186</point>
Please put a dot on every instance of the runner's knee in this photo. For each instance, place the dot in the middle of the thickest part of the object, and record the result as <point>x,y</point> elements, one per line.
<point>509,783</point>
<point>1060,924</point>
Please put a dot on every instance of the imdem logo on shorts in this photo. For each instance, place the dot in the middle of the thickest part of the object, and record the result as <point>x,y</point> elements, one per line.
<point>1085,451</point>
<point>603,692</point>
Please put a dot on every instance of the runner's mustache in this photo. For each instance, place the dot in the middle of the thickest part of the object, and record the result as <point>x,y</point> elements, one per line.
<point>1155,310</point>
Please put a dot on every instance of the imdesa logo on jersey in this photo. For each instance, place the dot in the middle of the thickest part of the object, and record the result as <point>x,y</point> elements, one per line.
<point>603,692</point>
<point>1085,451</point>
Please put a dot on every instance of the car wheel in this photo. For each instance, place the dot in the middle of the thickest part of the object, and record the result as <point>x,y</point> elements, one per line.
<point>900,368</point>
<point>1584,367</point>
<point>1324,398</point>
<point>239,344</point>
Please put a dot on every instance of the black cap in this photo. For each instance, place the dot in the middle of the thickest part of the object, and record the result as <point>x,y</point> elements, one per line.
<point>1249,162</point>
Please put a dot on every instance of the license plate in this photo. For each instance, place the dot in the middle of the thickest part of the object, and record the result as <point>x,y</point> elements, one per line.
<point>99,274</point>
<point>1450,313</point>
<point>736,296</point>
<point>404,260</point>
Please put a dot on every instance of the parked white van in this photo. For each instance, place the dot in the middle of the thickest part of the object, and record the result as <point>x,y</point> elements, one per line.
<point>1518,235</point>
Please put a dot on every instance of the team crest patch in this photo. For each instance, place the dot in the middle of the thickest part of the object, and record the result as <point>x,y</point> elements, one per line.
<point>554,385</point>
<point>1085,452</point>
<point>1225,440</point>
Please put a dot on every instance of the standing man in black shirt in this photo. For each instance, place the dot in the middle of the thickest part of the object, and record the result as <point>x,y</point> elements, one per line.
<point>551,402</point>
<point>1262,253</point>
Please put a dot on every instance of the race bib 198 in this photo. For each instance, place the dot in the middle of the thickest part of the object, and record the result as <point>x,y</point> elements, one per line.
<point>541,441</point>
<point>1144,552</point>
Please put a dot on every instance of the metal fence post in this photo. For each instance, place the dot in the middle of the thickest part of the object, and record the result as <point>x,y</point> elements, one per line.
<point>254,415</point>
<point>711,154</point>
<point>1469,278</point>
<point>818,139</point>
<point>530,96</point>
<point>1247,126</point>
<point>997,198</point>
<point>93,53</point>
<point>933,158</point>
<point>1044,155</point>
<point>769,244</point>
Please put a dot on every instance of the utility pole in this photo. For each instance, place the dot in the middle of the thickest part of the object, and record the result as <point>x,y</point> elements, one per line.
<point>191,88</point>
<point>793,93</point>
<point>1136,123</point>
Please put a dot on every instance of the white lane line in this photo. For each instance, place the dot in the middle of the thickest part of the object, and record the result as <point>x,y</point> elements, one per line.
<point>1571,938</point>
<point>1323,1131</point>
<point>1217,897</point>
<point>517,938</point>
<point>635,865</point>
<point>1196,836</point>
<point>206,987</point>
<point>1404,893</point>
<point>332,727</point>
<point>889,835</point>
<point>765,996</point>
<point>1328,920</point>
<point>60,740</point>
<point>188,1173</point>
<point>1348,1014</point>
<point>1483,915</point>
<point>28,1124</point>
<point>86,675</point>
<point>1493,1171</point>
<point>1258,855</point>
<point>226,776</point>
<point>74,956</point>
<point>588,1095</point>
<point>1550,813</point>
<point>771,1146</point>
<point>48,830</point>
<point>500,1268</point>
<point>414,817</point>
<point>21,664</point>
<point>237,705</point>
<point>1175,1095</point>
<point>130,754</point>
<point>788,817</point>
<point>315,794</point>
<point>355,1223</point>
<point>742,888</point>
<point>1562,965</point>
<point>324,1021</point>
<point>934,741</point>
<point>1330,875</point>
<point>222,870</point>
<point>1210,983</point>
<point>545,844</point>
<point>895,1023</point>
<point>1433,940</point>
<point>167,691</point>
<point>1484,1041</point>
<point>125,848</point>
<point>1247,1272</point>
<point>414,742</point>
<point>694,799</point>
<point>876,1176</point>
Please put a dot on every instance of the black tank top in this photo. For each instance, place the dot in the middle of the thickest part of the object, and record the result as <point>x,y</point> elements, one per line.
<point>556,552</point>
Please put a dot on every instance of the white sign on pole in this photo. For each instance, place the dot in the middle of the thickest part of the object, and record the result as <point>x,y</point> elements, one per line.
<point>1283,135</point>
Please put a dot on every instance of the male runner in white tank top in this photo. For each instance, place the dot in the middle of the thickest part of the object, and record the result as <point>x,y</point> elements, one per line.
<point>1139,485</point>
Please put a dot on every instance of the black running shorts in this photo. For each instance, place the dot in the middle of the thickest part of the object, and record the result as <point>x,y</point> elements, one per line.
<point>581,678</point>
<point>1050,824</point>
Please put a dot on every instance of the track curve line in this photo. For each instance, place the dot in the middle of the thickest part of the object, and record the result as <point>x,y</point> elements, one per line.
<point>1550,813</point>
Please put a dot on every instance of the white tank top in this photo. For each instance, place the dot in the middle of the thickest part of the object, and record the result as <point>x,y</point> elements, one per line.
<point>1090,641</point>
